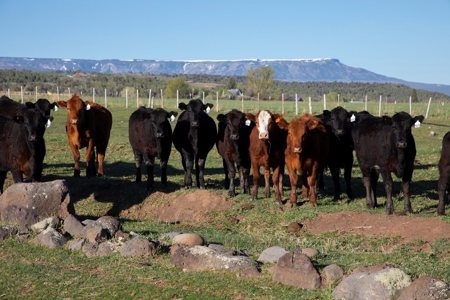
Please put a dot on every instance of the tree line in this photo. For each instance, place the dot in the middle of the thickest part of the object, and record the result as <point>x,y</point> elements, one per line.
<point>257,82</point>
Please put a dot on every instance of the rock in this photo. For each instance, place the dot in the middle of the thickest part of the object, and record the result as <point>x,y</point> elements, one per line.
<point>373,269</point>
<point>331,274</point>
<point>432,133</point>
<point>122,236</point>
<point>295,268</point>
<point>221,249</point>
<point>49,238</point>
<point>105,249</point>
<point>249,272</point>
<point>73,226</point>
<point>109,223</point>
<point>29,203</point>
<point>44,224</point>
<point>7,231</point>
<point>310,252</point>
<point>76,244</point>
<point>272,254</point>
<point>197,258</point>
<point>90,249</point>
<point>171,235</point>
<point>138,246</point>
<point>96,234</point>
<point>384,284</point>
<point>294,227</point>
<point>190,239</point>
<point>426,288</point>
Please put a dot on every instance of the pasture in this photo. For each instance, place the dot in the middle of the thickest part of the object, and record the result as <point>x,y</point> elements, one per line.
<point>28,271</point>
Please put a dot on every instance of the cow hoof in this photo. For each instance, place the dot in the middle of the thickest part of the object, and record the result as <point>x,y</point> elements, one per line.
<point>100,175</point>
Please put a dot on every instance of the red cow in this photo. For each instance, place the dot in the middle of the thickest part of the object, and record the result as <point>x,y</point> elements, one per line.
<point>88,125</point>
<point>267,144</point>
<point>306,152</point>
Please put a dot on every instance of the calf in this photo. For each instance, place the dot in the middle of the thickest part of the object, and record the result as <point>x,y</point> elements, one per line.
<point>385,145</point>
<point>233,140</point>
<point>337,124</point>
<point>267,144</point>
<point>194,136</point>
<point>150,136</point>
<point>88,125</point>
<point>22,146</point>
<point>444,173</point>
<point>306,152</point>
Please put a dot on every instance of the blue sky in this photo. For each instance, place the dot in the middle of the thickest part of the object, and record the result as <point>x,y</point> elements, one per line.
<point>409,40</point>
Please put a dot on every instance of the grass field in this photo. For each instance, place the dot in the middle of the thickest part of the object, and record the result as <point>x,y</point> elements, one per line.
<point>28,271</point>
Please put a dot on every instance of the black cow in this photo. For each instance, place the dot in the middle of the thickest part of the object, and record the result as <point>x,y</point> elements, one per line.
<point>194,136</point>
<point>444,173</point>
<point>22,146</point>
<point>42,105</point>
<point>150,136</point>
<point>337,124</point>
<point>384,145</point>
<point>12,108</point>
<point>233,141</point>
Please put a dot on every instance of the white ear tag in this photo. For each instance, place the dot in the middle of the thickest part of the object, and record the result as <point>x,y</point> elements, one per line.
<point>55,108</point>
<point>417,124</point>
<point>172,118</point>
<point>208,110</point>
<point>352,118</point>
<point>48,124</point>
<point>247,122</point>
<point>88,107</point>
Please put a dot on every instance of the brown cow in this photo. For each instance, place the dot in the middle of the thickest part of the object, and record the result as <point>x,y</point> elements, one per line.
<point>307,150</point>
<point>88,125</point>
<point>267,144</point>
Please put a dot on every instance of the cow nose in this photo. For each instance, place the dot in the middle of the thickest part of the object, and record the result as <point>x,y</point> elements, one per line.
<point>73,121</point>
<point>401,145</point>
<point>159,135</point>
<point>194,124</point>
<point>339,132</point>
<point>297,150</point>
<point>32,138</point>
<point>234,137</point>
<point>263,135</point>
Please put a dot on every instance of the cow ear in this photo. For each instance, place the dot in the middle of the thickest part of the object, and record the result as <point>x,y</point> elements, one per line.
<point>61,103</point>
<point>54,106</point>
<point>277,117</point>
<point>387,120</point>
<point>172,115</point>
<point>311,123</point>
<point>250,117</point>
<point>182,106</point>
<point>30,105</point>
<point>207,107</point>
<point>283,124</point>
<point>222,118</point>
<point>417,118</point>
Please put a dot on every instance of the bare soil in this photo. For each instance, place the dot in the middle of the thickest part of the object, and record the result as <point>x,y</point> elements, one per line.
<point>195,207</point>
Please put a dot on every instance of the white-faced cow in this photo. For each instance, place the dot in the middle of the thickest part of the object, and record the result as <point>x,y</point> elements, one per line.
<point>150,136</point>
<point>385,145</point>
<point>88,125</point>
<point>267,144</point>
<point>194,136</point>
<point>233,140</point>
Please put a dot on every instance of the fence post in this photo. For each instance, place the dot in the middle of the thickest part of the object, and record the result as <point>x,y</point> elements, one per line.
<point>9,93</point>
<point>149,97</point>
<point>365,104</point>
<point>93,95</point>
<point>242,102</point>
<point>409,104</point>
<point>379,107</point>
<point>258,102</point>
<point>324,102</point>
<point>203,97</point>
<point>36,94</point>
<point>106,100</point>
<point>21,93</point>
<point>153,99</point>
<point>178,97</point>
<point>339,100</point>
<point>217,101</point>
<point>69,91</point>
<point>57,93</point>
<point>282,103</point>
<point>126,98</point>
<point>137,98</point>
<point>310,107</point>
<point>296,105</point>
<point>428,108</point>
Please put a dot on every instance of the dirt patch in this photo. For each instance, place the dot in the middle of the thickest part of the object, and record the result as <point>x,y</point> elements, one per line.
<point>366,224</point>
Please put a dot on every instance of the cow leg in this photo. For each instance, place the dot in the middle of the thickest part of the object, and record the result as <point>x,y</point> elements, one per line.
<point>280,181</point>
<point>225,170</point>
<point>443,185</point>
<point>305,186</point>
<point>149,163</point>
<point>388,183</point>
<point>101,150</point>
<point>188,161</point>
<point>334,170</point>
<point>163,167</point>
<point>312,181</point>
<point>369,194</point>
<point>321,183</point>
<point>246,176</point>
<point>256,176</point>
<point>200,163</point>
<point>374,175</point>
<point>348,165</point>
<point>76,160</point>
<point>90,159</point>
<point>138,162</point>
<point>407,202</point>
<point>231,175</point>
<point>276,185</point>
<point>293,178</point>
<point>267,182</point>
<point>241,178</point>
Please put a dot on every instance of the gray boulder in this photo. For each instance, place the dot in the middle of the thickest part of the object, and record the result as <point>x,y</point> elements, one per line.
<point>76,244</point>
<point>331,274</point>
<point>28,203</point>
<point>49,238</point>
<point>426,288</point>
<point>44,224</point>
<point>73,226</point>
<point>138,246</point>
<point>272,254</point>
<point>190,239</point>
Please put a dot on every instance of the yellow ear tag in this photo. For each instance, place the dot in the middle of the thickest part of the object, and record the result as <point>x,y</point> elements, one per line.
<point>278,120</point>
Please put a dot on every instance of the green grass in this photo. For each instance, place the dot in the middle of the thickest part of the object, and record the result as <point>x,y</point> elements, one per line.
<point>28,271</point>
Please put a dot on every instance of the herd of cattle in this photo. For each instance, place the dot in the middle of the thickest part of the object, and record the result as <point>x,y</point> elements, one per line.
<point>307,145</point>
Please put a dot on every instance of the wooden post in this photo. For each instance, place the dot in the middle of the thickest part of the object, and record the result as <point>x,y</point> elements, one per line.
<point>258,102</point>
<point>217,101</point>
<point>106,100</point>
<point>93,95</point>
<point>242,102</point>
<point>69,92</point>
<point>310,106</point>
<point>149,97</point>
<point>324,102</point>
<point>9,93</point>
<point>409,104</point>
<point>339,102</point>
<point>21,93</point>
<point>282,103</point>
<point>57,93</point>
<point>36,94</point>
<point>365,104</point>
<point>428,108</point>
<point>296,105</point>
<point>153,99</point>
<point>178,97</point>
<point>203,97</point>
<point>137,98</point>
<point>126,98</point>
<point>162,99</point>
<point>379,107</point>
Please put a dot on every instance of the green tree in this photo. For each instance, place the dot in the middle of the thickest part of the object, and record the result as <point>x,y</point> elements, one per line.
<point>178,83</point>
<point>414,96</point>
<point>232,84</point>
<point>260,81</point>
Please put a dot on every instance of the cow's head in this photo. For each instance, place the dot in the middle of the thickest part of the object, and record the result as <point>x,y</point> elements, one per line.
<point>76,109</point>
<point>339,119</point>
<point>401,127</point>
<point>43,105</point>
<point>158,118</point>
<point>194,109</point>
<point>265,122</point>
<point>236,121</point>
<point>35,124</point>
<point>298,131</point>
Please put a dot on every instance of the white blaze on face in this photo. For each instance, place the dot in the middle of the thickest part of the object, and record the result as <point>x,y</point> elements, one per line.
<point>263,124</point>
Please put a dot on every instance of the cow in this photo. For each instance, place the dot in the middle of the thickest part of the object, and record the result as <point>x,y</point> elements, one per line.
<point>22,146</point>
<point>150,136</point>
<point>444,173</point>
<point>194,136</point>
<point>306,152</point>
<point>13,108</point>
<point>339,130</point>
<point>267,145</point>
<point>88,125</point>
<point>42,105</point>
<point>233,141</point>
<point>385,145</point>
